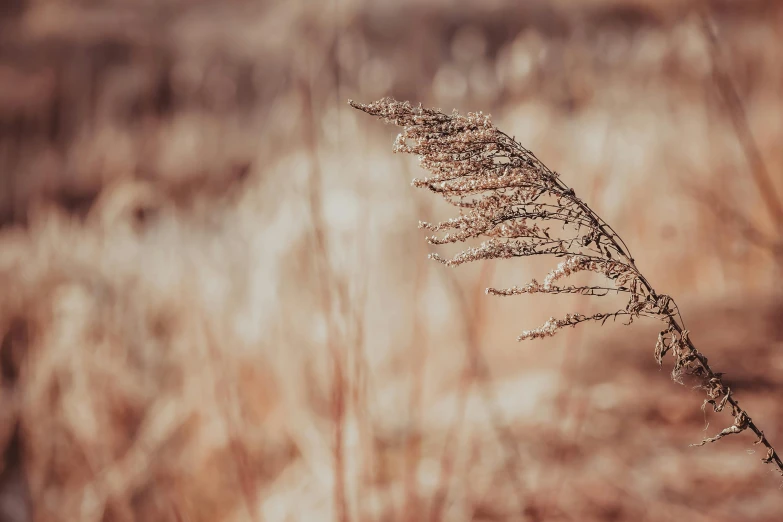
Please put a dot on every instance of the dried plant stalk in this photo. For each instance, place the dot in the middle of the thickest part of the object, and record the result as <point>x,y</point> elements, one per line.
<point>519,207</point>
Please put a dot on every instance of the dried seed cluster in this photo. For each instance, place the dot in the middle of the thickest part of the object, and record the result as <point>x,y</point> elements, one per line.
<point>517,207</point>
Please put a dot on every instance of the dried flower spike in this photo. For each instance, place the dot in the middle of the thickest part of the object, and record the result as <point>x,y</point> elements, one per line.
<point>508,198</point>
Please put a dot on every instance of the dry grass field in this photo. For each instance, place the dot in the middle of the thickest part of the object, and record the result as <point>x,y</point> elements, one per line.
<point>216,305</point>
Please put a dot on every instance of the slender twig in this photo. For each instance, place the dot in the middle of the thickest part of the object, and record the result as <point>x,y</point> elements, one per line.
<point>739,119</point>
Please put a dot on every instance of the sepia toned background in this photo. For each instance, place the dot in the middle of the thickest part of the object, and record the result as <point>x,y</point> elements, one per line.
<point>215,303</point>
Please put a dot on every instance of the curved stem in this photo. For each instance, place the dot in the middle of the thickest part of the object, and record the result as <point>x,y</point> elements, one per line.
<point>676,326</point>
<point>615,239</point>
<point>738,411</point>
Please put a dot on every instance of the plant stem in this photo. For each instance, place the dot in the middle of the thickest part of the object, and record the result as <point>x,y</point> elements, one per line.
<point>773,455</point>
<point>676,326</point>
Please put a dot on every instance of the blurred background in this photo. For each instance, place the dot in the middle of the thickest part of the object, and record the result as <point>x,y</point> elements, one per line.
<point>216,304</point>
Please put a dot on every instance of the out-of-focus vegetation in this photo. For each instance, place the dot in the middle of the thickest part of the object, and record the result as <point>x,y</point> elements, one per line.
<point>216,305</point>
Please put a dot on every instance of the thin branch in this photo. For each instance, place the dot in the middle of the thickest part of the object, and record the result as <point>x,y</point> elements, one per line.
<point>739,119</point>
